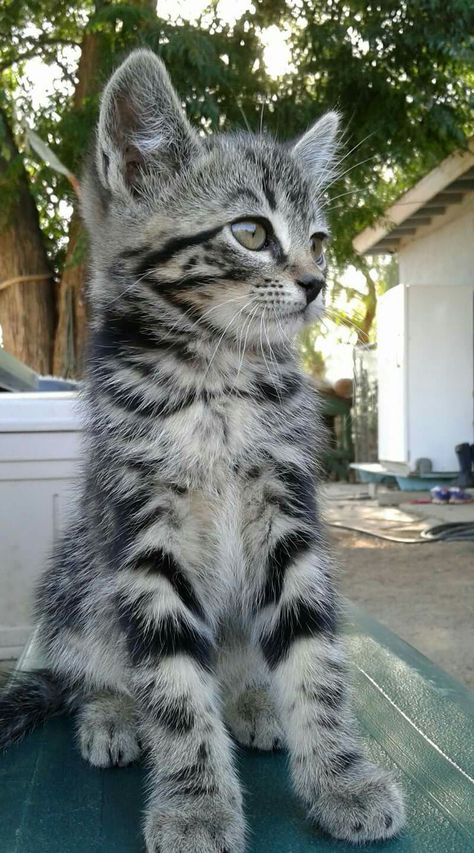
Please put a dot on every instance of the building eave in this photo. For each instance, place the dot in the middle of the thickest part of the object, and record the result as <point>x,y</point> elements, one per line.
<point>445,185</point>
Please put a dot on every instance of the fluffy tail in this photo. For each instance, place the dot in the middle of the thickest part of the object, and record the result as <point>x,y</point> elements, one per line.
<point>26,701</point>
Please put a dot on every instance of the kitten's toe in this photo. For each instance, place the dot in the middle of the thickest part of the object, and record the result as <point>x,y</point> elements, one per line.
<point>211,828</point>
<point>368,808</point>
<point>107,732</point>
<point>109,746</point>
<point>253,720</point>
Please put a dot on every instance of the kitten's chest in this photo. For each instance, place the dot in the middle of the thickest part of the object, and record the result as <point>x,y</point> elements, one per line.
<point>208,439</point>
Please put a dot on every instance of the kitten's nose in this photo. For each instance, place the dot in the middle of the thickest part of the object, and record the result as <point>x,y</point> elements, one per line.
<point>311,285</point>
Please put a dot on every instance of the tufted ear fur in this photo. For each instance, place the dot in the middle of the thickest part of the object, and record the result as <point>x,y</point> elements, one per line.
<point>142,126</point>
<point>316,149</point>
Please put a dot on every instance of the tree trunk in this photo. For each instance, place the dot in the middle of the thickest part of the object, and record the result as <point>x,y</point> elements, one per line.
<point>370,304</point>
<point>26,307</point>
<point>70,334</point>
<point>71,327</point>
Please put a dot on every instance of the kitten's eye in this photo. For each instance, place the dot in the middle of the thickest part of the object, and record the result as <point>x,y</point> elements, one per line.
<point>317,246</point>
<point>253,235</point>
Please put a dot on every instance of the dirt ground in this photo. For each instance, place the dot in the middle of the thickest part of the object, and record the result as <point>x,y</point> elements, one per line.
<point>424,593</point>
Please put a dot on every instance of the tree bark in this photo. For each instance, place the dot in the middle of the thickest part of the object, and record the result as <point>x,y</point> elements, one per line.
<point>69,339</point>
<point>27,314</point>
<point>71,330</point>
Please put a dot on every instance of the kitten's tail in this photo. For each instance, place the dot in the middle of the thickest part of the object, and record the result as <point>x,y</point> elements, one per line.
<point>26,701</point>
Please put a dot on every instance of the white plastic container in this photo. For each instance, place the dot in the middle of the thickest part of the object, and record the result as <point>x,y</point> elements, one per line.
<point>39,452</point>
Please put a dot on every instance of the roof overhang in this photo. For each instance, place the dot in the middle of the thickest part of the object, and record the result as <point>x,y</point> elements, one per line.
<point>430,197</point>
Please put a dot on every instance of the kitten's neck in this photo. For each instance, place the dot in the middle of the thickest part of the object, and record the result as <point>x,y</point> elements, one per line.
<point>214,362</point>
<point>192,355</point>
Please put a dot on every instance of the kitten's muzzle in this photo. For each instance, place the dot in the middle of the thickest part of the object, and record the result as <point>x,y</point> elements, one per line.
<point>311,285</point>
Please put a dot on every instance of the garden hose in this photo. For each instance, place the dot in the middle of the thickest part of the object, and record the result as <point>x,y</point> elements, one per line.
<point>449,532</point>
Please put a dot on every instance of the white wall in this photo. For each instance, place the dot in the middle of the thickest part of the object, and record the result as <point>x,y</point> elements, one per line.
<point>440,373</point>
<point>425,373</point>
<point>442,252</point>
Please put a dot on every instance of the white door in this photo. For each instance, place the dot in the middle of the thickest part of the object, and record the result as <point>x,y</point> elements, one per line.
<point>392,371</point>
<point>440,373</point>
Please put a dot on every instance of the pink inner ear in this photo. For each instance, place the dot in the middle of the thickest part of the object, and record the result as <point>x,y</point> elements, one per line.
<point>132,170</point>
<point>126,117</point>
<point>133,167</point>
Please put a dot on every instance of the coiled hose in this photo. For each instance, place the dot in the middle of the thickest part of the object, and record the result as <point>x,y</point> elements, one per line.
<point>462,531</point>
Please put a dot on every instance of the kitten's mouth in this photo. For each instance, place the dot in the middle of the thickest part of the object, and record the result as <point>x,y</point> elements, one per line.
<point>291,313</point>
<point>274,313</point>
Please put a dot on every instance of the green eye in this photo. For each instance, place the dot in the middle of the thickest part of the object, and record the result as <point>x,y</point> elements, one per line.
<point>317,248</point>
<point>253,235</point>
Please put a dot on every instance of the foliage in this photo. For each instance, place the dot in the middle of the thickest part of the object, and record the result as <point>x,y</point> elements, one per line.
<point>401,74</point>
<point>311,359</point>
<point>208,66</point>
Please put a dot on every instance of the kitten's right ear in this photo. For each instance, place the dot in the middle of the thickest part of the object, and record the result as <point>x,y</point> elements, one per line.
<point>142,126</point>
<point>316,149</point>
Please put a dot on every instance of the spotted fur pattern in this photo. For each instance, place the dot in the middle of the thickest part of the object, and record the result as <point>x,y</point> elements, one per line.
<point>192,593</point>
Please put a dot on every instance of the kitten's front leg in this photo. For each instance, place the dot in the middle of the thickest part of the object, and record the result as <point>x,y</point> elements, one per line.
<point>347,795</point>
<point>195,804</point>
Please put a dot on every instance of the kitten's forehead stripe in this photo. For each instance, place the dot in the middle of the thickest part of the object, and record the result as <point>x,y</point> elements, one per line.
<point>268,187</point>
<point>243,195</point>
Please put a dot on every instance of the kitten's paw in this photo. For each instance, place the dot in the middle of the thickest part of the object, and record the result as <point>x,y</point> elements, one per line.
<point>253,720</point>
<point>209,829</point>
<point>107,732</point>
<point>359,810</point>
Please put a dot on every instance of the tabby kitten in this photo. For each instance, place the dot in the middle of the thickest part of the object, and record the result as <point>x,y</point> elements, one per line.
<point>191,597</point>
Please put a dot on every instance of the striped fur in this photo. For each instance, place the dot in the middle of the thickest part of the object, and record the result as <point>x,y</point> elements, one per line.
<point>193,587</point>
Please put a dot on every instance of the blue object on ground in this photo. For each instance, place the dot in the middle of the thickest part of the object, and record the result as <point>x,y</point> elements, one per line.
<point>440,494</point>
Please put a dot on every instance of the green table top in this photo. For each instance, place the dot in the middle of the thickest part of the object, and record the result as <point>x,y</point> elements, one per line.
<point>416,720</point>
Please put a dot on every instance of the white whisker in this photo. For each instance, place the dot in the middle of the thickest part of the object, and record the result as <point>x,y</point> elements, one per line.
<point>350,169</point>
<point>265,359</point>
<point>127,289</point>
<point>342,318</point>
<point>287,344</point>
<point>233,318</point>
<point>261,115</point>
<point>249,322</point>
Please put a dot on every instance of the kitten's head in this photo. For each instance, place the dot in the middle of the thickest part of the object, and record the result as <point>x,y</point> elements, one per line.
<point>224,232</point>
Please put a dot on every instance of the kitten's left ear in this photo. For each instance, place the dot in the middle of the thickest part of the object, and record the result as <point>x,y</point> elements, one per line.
<point>316,149</point>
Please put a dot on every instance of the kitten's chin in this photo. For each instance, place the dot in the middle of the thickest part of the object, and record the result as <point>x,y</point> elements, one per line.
<point>313,312</point>
<point>295,320</point>
<point>290,324</point>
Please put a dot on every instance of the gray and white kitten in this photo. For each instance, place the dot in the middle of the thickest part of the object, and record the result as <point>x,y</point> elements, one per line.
<point>191,597</point>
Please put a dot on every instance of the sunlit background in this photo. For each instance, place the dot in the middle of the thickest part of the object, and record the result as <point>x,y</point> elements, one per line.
<point>336,341</point>
<point>277,55</point>
<point>287,62</point>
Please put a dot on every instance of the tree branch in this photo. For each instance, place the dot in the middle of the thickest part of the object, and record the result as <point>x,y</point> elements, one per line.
<point>370,302</point>
<point>35,50</point>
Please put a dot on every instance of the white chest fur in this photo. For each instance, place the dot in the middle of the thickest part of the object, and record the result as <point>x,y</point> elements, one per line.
<point>207,439</point>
